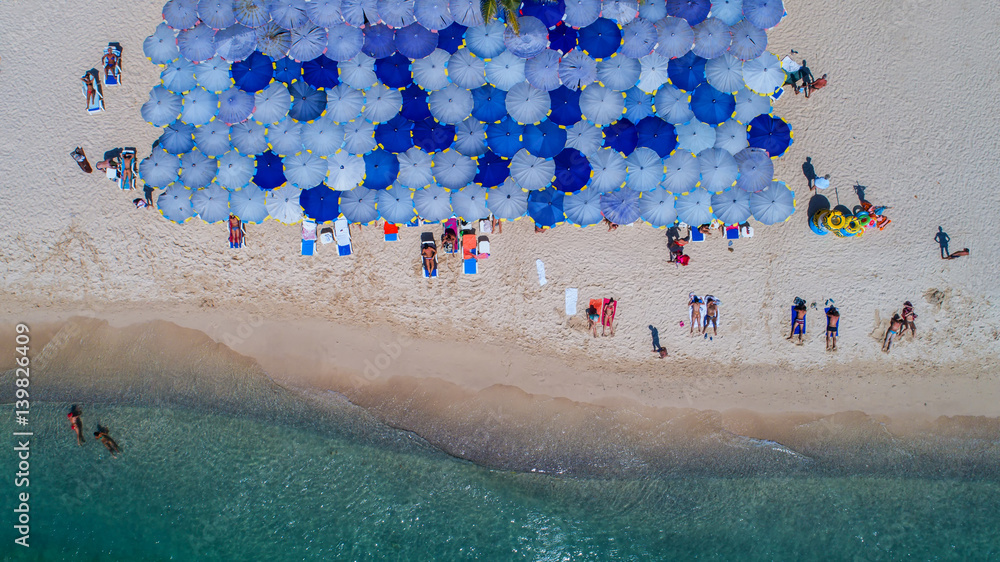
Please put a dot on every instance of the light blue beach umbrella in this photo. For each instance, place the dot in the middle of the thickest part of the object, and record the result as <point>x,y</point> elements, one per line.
<point>577,70</point>
<point>235,105</point>
<point>235,42</point>
<point>178,76</point>
<point>505,70</point>
<point>639,37</point>
<point>197,44</point>
<point>451,105</point>
<point>251,13</point>
<point>175,204</point>
<point>177,138</point>
<point>213,74</point>
<point>532,172</point>
<point>673,105</point>
<point>162,108</point>
<point>674,37</point>
<point>288,13</point>
<point>325,13</point>
<point>273,40</point>
<point>211,203</point>
<point>756,169</point>
<point>773,204</point>
<point>731,136</point>
<point>682,172</point>
<point>749,104</point>
<point>466,70</point>
<point>235,170</point>
<point>197,169</point>
<point>382,103</point>
<point>585,137</point>
<point>358,72</point>
<point>532,38</point>
<point>322,137</point>
<point>763,74</point>
<point>396,13</point>
<point>729,11</point>
<point>470,137</point>
<point>249,137</point>
<point>621,206</point>
<point>638,104</point>
<point>453,169</point>
<point>694,207</point>
<point>645,169</point>
<point>619,72</point>
<point>527,104</point>
<point>249,204</point>
<point>601,105</point>
<point>542,70</point>
<point>272,103</point>
<point>695,136</point>
<point>731,206</point>
<point>622,11</point>
<point>344,103</point>
<point>285,137</point>
<point>582,208</point>
<point>581,13</point>
<point>199,106</point>
<point>469,203</point>
<point>160,168</point>
<point>359,136</point>
<point>763,14</point>
<point>718,169</point>
<point>356,12</point>
<point>433,203</point>
<point>346,171</point>
<point>218,14</point>
<point>395,204</point>
<point>430,72</point>
<point>161,46</point>
<point>308,42</point>
<point>655,70</point>
<point>283,204</point>
<point>435,15</point>
<point>466,12</point>
<point>711,38</point>
<point>507,201</point>
<point>415,168</point>
<point>657,207</point>
<point>725,73</point>
<point>486,41</point>
<point>748,41</point>
<point>359,205</point>
<point>180,14</point>
<point>212,138</point>
<point>344,42</point>
<point>304,170</point>
<point>653,10</point>
<point>609,170</point>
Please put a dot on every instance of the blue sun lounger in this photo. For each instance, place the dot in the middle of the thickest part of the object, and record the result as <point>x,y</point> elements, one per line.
<point>98,103</point>
<point>308,237</point>
<point>342,234</point>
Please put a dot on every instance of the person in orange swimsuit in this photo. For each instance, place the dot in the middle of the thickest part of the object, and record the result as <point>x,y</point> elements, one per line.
<point>816,85</point>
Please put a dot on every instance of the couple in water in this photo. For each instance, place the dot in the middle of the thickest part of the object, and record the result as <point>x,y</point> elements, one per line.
<point>101,434</point>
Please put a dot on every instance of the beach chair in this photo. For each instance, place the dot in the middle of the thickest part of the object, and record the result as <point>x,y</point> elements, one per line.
<point>697,235</point>
<point>113,50</point>
<point>451,224</point>
<point>127,161</point>
<point>732,233</point>
<point>746,232</point>
<point>326,235</point>
<point>799,329</point>
<point>471,264</point>
<point>483,248</point>
<point>342,234</point>
<point>308,237</point>
<point>98,103</point>
<point>427,239</point>
<point>237,232</point>
<point>391,232</point>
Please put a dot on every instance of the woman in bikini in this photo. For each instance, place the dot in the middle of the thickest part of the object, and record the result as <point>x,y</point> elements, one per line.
<point>88,81</point>
<point>694,303</point>
<point>74,424</point>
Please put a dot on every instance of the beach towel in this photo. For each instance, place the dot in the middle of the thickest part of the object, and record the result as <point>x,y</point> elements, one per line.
<point>342,234</point>
<point>798,329</point>
<point>836,332</point>
<point>427,239</point>
<point>391,232</point>
<point>98,103</point>
<point>540,267</point>
<point>571,296</point>
<point>733,233</point>
<point>308,237</point>
<point>468,246</point>
<point>697,236</point>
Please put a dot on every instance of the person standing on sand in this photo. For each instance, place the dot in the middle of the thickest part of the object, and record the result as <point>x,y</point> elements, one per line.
<point>74,424</point>
<point>799,321</point>
<point>593,318</point>
<point>908,318</point>
<point>895,325</point>
<point>832,320</point>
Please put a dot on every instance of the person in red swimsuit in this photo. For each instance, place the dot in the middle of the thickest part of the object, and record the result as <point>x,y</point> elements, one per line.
<point>816,85</point>
<point>74,424</point>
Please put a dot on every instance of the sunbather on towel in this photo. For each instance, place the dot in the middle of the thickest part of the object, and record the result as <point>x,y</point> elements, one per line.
<point>832,319</point>
<point>895,325</point>
<point>88,81</point>
<point>593,318</point>
<point>694,304</point>
<point>140,203</point>
<point>429,253</point>
<point>711,316</point>
<point>799,321</point>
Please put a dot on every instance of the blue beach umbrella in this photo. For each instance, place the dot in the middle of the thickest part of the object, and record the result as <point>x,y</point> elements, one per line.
<point>346,170</point>
<point>622,11</point>
<point>674,37</point>
<point>562,38</point>
<point>542,70</point>
<point>655,70</point>
<point>249,204</point>
<point>394,71</point>
<point>431,136</point>
<point>469,203</point>
<point>531,38</point>
<point>344,42</point>
<point>199,106</point>
<point>621,136</point>
<point>161,46</point>
<point>327,13</point>
<point>415,41</point>
<point>712,106</point>
<point>729,11</point>
<point>211,203</point>
<point>466,12</point>
<point>178,76</point>
<point>381,168</point>
<point>196,44</point>
<point>619,72</point>
<point>180,14</point>
<point>308,103</point>
<point>749,104</point>
<point>718,169</point>
<point>621,206</point>
<point>583,208</point>
<point>731,206</point>
<point>507,201</point>
<point>288,13</point>
<point>505,137</point>
<point>320,72</point>
<point>609,170</point>
<point>711,38</point>
<point>763,14</point>
<point>581,13</point>
<point>577,70</point>
<point>249,137</point>
<point>527,104</point>
<point>601,105</point>
<point>584,136</point>
<point>320,203</point>
<point>491,170</point>
<point>545,139</point>
<point>687,72</point>
<point>415,168</point>
<point>673,105</point>
<point>235,42</point>
<point>638,38</point>
<point>235,105</point>
<point>287,70</point>
<point>638,105</point>
<point>284,204</point>
<point>773,204</point>
<point>731,136</point>
<point>725,73</point>
<point>379,41</point>
<point>177,138</point>
<point>756,169</point>
<point>235,170</point>
<point>452,169</point>
<point>394,135</point>
<point>656,134</point>
<point>695,136</point>
<point>303,169</point>
<point>382,103</point>
<point>466,70</point>
<point>545,207</point>
<point>565,104</point>
<point>415,106</point>
<point>470,137</point>
<point>489,104</point>
<point>431,72</point>
<point>531,172</point>
<point>395,205</point>
<point>653,10</point>
<point>486,41</point>
<point>435,15</point>
<point>396,13</point>
<point>197,169</point>
<point>159,169</point>
<point>344,103</point>
<point>749,42</point>
<point>505,70</point>
<point>359,205</point>
<point>308,42</point>
<point>549,13</point>
<point>763,74</point>
<point>273,40</point>
<point>645,170</point>
<point>773,134</point>
<point>600,39</point>
<point>254,73</point>
<point>657,207</point>
<point>217,13</point>
<point>694,207</point>
<point>682,172</point>
<point>269,172</point>
<point>433,203</point>
<point>175,204</point>
<point>694,11</point>
<point>272,103</point>
<point>284,137</point>
<point>212,138</point>
<point>359,136</point>
<point>357,12</point>
<point>213,74</point>
<point>572,170</point>
<point>451,105</point>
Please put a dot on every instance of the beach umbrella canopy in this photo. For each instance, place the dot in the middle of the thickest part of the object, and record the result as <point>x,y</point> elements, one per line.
<point>162,108</point>
<point>272,103</point>
<point>288,13</point>
<point>159,169</point>
<point>621,136</point>
<point>507,201</point>
<point>763,14</point>
<point>382,103</point>
<point>283,204</point>
<point>618,72</point>
<point>358,72</point>
<point>687,72</point>
<point>695,136</point>
<point>197,169</point>
<point>325,13</point>
<point>470,137</point>
<point>694,207</point>
<point>562,38</point>
<point>492,170</point>
<point>674,37</point>
<point>199,106</point>
<point>175,204</point>
<point>565,108</point>
<point>321,72</point>
<point>731,206</point>
<point>489,104</point>
<point>415,168</point>
<point>394,135</point>
<point>161,46</point>
<point>359,205</point>
<point>749,105</point>
<point>581,13</point>
<point>609,170</point>
<point>763,74</point>
<point>322,137</point>
<point>451,105</point>
<point>527,104</point>
<point>452,37</point>
<point>532,37</point>
<point>601,105</point>
<point>638,38</point>
<point>235,105</point>
<point>682,172</point>
<point>694,11</point>
<point>249,137</point>
<point>505,137</point>
<point>213,74</point>
<point>583,208</point>
<point>177,138</point>
<point>577,70</point>
<point>545,207</point>
<point>711,38</point>
<point>638,105</point>
<point>645,170</point>
<point>211,203</point>
<point>573,170</point>
<point>549,13</point>
<point>308,103</point>
<point>344,103</point>
<point>319,203</point>
<point>584,136</point>
<point>381,168</point>
<point>273,40</point>
<point>600,39</point>
<point>542,70</point>
<point>655,70</point>
<point>357,12</point>
<point>395,204</point>
<point>415,41</point>
<point>731,136</point>
<point>196,44</point>
<point>729,11</point>
<point>180,14</point>
<point>466,70</point>
<point>773,204</point>
<point>253,73</point>
<point>770,133</point>
<point>394,71</point>
<point>431,136</point>
<point>505,70</point>
<point>621,206</point>
<point>749,42</point>
<point>433,14</point>
<point>756,169</point>
<point>396,13</point>
<point>725,73</point>
<point>217,13</point>
<point>308,42</point>
<point>653,10</point>
<point>532,172</point>
<point>718,169</point>
<point>303,169</point>
<point>379,41</point>
<point>486,41</point>
<point>347,170</point>
<point>344,42</point>
<point>235,42</point>
<point>657,207</point>
<point>430,72</point>
<point>656,134</point>
<point>235,170</point>
<point>284,137</point>
<point>249,204</point>
<point>673,105</point>
<point>545,139</point>
<point>452,169</point>
<point>212,138</point>
<point>269,171</point>
<point>469,203</point>
<point>433,203</point>
<point>178,76</point>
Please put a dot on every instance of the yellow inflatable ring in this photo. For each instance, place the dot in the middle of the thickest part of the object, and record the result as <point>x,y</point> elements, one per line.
<point>836,220</point>
<point>853,227</point>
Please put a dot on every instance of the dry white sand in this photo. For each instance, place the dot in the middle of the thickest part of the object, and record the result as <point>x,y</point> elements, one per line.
<point>909,113</point>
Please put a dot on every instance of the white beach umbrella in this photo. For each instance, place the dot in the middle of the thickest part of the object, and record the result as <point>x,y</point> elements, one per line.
<point>249,204</point>
<point>359,205</point>
<point>308,42</point>
<point>433,203</point>
<point>622,11</point>
<point>694,207</point>
<point>466,12</point>
<point>211,203</point>
<point>453,169</point>
<point>430,72</point>
<point>197,169</point>
<point>235,42</point>
<point>344,103</point>
<point>161,46</point>
<point>382,103</point>
<point>601,105</point>
<point>359,136</point>
<point>731,136</point>
<point>673,105</point>
<point>178,76</point>
<point>451,104</point>
<point>645,169</point>
<point>763,74</point>
<point>729,11</point>
<point>213,74</point>
<point>583,208</point>
<point>486,41</point>
<point>162,108</point>
<point>470,137</point>
<point>718,169</point>
<point>505,70</point>
<point>731,206</point>
<point>654,72</point>
<point>356,12</point>
<point>508,200</point>
<point>749,104</point>
<point>217,13</point>
<point>347,170</point>
<point>235,170</point>
<point>396,13</point>
<point>609,170</point>
<point>180,14</point>
<point>725,73</point>
<point>322,137</point>
<point>283,204</point>
<point>175,204</point>
<point>577,70</point>
<point>197,44</point>
<point>639,37</point>
<point>415,168</point>
<point>773,204</point>
<point>343,42</point>
<point>674,37</point>
<point>272,103</point>
<point>619,72</point>
<point>199,106</point>
<point>305,170</point>
<point>435,15</point>
<point>748,41</point>
<point>466,70</point>
<point>160,168</point>
<point>532,172</point>
<point>695,136</point>
<point>469,203</point>
<point>359,72</point>
<point>711,38</point>
<point>273,40</point>
<point>249,137</point>
<point>581,13</point>
<point>756,169</point>
<point>288,13</point>
<point>528,104</point>
<point>584,136</point>
<point>212,138</point>
<point>682,172</point>
<point>657,207</point>
<point>284,137</point>
<point>542,70</point>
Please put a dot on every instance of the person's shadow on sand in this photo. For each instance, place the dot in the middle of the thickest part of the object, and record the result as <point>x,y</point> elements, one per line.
<point>942,239</point>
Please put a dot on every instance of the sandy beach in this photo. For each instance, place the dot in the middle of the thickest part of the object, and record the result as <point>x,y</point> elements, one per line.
<point>907,114</point>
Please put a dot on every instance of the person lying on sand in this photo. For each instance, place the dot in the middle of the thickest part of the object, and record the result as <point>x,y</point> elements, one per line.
<point>102,435</point>
<point>958,254</point>
<point>832,319</point>
<point>799,321</point>
<point>694,304</point>
<point>711,316</point>
<point>895,325</point>
<point>611,225</point>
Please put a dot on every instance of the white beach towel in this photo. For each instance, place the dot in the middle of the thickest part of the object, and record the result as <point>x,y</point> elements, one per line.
<point>788,65</point>
<point>541,272</point>
<point>571,296</point>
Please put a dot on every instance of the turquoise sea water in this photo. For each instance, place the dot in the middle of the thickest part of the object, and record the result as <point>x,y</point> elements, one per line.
<point>192,485</point>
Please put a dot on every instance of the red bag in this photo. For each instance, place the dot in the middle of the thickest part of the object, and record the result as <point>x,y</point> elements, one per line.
<point>683,260</point>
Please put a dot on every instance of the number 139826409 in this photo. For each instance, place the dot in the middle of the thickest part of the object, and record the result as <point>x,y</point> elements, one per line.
<point>23,373</point>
